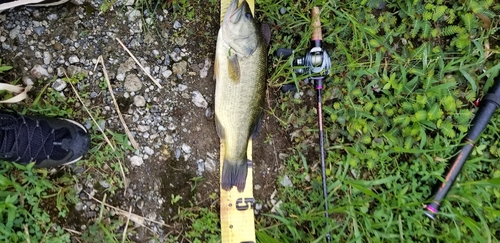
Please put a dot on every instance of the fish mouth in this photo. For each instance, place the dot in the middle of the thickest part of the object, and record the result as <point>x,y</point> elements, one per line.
<point>235,12</point>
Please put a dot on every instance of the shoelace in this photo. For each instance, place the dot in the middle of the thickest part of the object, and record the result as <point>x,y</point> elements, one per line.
<point>25,139</point>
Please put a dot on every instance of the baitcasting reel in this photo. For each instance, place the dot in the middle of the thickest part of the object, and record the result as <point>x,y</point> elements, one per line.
<point>316,63</point>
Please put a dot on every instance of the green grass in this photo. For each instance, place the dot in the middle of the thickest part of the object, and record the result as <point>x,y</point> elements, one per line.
<point>396,105</point>
<point>22,192</point>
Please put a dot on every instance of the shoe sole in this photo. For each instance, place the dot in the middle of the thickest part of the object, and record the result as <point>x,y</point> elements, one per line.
<point>75,123</point>
<point>84,129</point>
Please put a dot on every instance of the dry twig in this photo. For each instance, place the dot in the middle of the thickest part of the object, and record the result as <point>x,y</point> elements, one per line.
<point>136,61</point>
<point>106,78</point>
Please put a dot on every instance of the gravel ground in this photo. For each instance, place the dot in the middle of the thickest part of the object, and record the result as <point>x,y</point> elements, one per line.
<point>174,125</point>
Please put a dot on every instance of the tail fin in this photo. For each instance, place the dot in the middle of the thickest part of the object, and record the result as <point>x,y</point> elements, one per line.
<point>234,174</point>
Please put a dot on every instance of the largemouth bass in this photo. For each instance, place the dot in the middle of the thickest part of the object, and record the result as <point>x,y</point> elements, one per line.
<point>240,73</point>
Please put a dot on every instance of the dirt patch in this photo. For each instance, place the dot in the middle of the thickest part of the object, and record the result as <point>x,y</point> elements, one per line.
<point>177,138</point>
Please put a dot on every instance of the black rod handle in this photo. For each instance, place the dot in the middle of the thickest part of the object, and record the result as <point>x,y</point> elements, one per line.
<point>487,107</point>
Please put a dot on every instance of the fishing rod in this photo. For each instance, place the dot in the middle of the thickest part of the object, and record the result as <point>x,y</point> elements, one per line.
<point>316,63</point>
<point>487,107</point>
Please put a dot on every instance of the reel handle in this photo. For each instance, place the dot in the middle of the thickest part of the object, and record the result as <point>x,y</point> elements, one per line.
<point>283,52</point>
<point>316,24</point>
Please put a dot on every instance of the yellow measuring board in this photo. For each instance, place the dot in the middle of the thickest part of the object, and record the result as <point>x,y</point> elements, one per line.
<point>237,208</point>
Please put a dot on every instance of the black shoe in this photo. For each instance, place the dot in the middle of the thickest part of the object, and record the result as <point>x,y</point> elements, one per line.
<point>49,142</point>
<point>8,4</point>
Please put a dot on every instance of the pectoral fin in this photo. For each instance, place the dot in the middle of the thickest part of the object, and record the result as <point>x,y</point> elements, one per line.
<point>233,68</point>
<point>266,33</point>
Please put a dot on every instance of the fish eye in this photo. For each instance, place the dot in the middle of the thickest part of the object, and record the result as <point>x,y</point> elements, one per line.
<point>248,15</point>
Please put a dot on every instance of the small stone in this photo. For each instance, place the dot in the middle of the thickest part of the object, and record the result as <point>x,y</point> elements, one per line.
<point>182,87</point>
<point>74,70</point>
<point>166,73</point>
<point>73,59</point>
<point>286,182</point>
<point>179,67</point>
<point>38,71</point>
<point>201,166</point>
<point>27,81</point>
<point>175,56</point>
<point>13,33</point>
<point>74,35</point>
<point>139,101</point>
<point>59,85</point>
<point>282,156</point>
<point>120,76</point>
<point>78,188</point>
<point>206,67</point>
<point>57,46</point>
<point>186,148</point>
<point>104,184</point>
<point>134,15</point>
<point>143,128</point>
<point>60,72</point>
<point>177,154</point>
<point>282,10</point>
<point>132,83</point>
<point>198,100</point>
<point>177,25</point>
<point>257,187</point>
<point>136,160</point>
<point>210,165</point>
<point>39,30</point>
<point>209,113</point>
<point>47,57</point>
<point>52,16</point>
<point>125,67</point>
<point>168,139</point>
<point>102,124</point>
<point>180,41</point>
<point>79,206</point>
<point>80,169</point>
<point>171,127</point>
<point>148,150</point>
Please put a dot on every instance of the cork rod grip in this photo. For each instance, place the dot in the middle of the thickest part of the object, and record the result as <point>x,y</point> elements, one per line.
<point>316,24</point>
